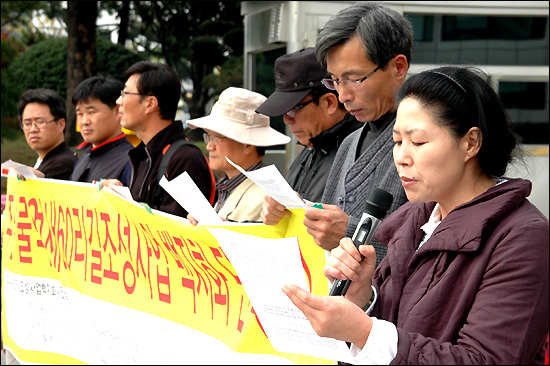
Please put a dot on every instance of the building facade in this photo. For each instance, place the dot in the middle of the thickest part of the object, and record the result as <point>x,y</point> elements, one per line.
<point>509,40</point>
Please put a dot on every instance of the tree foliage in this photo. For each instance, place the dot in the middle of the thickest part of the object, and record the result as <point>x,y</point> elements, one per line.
<point>194,37</point>
<point>202,40</point>
<point>17,18</point>
<point>51,71</point>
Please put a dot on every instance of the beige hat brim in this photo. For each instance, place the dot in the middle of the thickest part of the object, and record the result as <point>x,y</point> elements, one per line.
<point>240,132</point>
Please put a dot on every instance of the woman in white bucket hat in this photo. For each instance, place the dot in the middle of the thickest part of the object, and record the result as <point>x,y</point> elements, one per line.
<point>234,130</point>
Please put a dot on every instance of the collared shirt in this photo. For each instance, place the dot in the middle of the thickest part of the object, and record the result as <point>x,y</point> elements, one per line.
<point>430,226</point>
<point>58,162</point>
<point>37,164</point>
<point>226,186</point>
<point>109,160</point>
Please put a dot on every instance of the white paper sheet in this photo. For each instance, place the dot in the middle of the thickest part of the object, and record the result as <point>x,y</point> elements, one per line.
<point>264,266</point>
<point>122,191</point>
<point>21,168</point>
<point>184,190</point>
<point>274,184</point>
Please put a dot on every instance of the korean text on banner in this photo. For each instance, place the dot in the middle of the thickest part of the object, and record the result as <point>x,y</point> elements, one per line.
<point>90,277</point>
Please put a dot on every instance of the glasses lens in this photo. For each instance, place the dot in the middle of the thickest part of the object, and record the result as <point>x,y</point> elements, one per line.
<point>38,124</point>
<point>329,83</point>
<point>350,84</point>
<point>210,139</point>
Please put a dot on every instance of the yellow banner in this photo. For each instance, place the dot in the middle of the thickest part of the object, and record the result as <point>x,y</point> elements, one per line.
<point>80,265</point>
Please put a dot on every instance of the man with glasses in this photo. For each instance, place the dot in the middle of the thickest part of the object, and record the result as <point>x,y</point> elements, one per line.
<point>147,106</point>
<point>235,131</point>
<point>314,115</point>
<point>366,49</point>
<point>42,114</point>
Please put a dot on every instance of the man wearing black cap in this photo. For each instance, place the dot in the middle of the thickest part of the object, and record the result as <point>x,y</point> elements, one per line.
<point>314,115</point>
<point>366,49</point>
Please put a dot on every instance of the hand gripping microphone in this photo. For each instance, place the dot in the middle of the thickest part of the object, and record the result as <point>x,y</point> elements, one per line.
<point>377,206</point>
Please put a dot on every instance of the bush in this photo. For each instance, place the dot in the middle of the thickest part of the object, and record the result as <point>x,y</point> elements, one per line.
<point>44,64</point>
<point>10,90</point>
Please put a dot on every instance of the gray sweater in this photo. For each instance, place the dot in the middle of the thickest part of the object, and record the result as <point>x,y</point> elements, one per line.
<point>351,180</point>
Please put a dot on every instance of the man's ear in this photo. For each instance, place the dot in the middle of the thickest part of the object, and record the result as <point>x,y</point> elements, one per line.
<point>401,66</point>
<point>115,110</point>
<point>151,104</point>
<point>248,149</point>
<point>62,123</point>
<point>332,102</point>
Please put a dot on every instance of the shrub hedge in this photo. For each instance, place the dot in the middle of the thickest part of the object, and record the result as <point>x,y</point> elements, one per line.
<point>44,64</point>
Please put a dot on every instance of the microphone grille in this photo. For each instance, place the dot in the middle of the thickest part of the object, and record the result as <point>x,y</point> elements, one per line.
<point>379,203</point>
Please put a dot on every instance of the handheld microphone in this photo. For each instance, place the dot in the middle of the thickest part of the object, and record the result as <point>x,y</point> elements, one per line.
<point>376,208</point>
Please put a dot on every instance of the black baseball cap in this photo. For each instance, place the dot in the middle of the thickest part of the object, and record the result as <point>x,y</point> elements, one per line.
<point>296,74</point>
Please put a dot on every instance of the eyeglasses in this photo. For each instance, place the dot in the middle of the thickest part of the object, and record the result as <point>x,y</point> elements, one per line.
<point>124,93</point>
<point>210,138</point>
<point>293,111</point>
<point>349,84</point>
<point>38,123</point>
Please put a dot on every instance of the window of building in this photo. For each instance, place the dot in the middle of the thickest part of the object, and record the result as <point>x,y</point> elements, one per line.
<point>481,40</point>
<point>457,28</point>
<point>527,105</point>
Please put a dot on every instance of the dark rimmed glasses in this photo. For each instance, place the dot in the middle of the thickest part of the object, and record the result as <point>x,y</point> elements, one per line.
<point>293,111</point>
<point>350,84</point>
<point>125,93</point>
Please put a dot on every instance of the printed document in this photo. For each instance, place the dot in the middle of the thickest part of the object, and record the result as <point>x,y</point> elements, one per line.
<point>184,190</point>
<point>264,266</point>
<point>274,184</point>
<point>21,168</point>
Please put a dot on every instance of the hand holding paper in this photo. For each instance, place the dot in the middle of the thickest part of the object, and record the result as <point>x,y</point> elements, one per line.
<point>263,272</point>
<point>189,196</point>
<point>18,167</point>
<point>274,184</point>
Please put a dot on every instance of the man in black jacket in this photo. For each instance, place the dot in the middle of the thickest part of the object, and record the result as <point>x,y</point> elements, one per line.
<point>314,115</point>
<point>42,113</point>
<point>148,105</point>
<point>105,148</point>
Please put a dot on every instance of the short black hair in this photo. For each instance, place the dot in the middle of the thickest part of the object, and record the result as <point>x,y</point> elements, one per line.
<point>106,89</point>
<point>57,106</point>
<point>161,81</point>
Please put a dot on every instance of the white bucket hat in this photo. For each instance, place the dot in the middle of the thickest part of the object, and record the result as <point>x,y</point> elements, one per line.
<point>234,116</point>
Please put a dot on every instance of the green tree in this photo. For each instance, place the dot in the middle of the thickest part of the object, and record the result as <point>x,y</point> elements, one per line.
<point>17,19</point>
<point>18,32</point>
<point>51,71</point>
<point>79,18</point>
<point>196,38</point>
<point>10,91</point>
